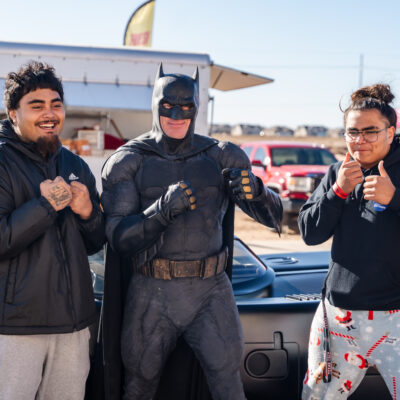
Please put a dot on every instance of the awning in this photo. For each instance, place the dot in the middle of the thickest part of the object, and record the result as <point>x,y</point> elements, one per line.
<point>101,96</point>
<point>224,78</point>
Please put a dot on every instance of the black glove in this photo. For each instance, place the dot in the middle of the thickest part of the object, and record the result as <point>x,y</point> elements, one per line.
<point>242,183</point>
<point>178,198</point>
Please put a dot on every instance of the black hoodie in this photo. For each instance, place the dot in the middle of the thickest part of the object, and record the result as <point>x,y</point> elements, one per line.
<point>45,281</point>
<point>364,271</point>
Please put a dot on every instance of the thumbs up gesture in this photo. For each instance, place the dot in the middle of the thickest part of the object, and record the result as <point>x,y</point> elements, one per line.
<point>379,188</point>
<point>349,175</point>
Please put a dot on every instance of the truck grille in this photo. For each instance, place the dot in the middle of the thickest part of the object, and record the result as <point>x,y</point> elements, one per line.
<point>316,180</point>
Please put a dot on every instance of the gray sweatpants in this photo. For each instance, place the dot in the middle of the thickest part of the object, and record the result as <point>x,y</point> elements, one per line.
<point>44,367</point>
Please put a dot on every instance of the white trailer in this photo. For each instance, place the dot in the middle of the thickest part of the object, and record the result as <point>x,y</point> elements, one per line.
<point>112,87</point>
<point>104,84</point>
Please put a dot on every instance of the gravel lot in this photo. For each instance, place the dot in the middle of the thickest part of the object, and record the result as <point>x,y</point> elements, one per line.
<point>263,240</point>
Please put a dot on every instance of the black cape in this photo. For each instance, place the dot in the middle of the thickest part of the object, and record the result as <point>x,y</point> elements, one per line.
<point>182,378</point>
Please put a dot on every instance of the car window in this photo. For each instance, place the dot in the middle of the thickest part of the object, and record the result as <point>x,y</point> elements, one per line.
<point>260,155</point>
<point>327,158</point>
<point>245,265</point>
<point>301,156</point>
<point>247,150</point>
<point>250,277</point>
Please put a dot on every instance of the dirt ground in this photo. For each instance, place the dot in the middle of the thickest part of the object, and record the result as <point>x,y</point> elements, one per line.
<point>249,231</point>
<point>263,240</point>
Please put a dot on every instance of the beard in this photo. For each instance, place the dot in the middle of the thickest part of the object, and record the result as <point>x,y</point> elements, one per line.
<point>47,146</point>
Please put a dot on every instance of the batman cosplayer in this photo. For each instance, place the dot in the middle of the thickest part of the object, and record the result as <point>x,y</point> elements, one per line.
<point>168,198</point>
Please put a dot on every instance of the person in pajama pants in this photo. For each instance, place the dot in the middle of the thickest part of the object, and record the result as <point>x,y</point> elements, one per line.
<point>358,204</point>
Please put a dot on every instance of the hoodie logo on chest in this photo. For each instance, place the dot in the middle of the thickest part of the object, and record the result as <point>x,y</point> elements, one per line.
<point>73,177</point>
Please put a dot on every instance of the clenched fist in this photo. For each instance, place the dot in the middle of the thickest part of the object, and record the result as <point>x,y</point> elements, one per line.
<point>56,192</point>
<point>178,199</point>
<point>81,203</point>
<point>242,183</point>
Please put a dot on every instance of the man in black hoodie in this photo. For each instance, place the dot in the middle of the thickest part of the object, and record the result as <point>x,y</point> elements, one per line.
<point>50,219</point>
<point>358,203</point>
<point>165,196</point>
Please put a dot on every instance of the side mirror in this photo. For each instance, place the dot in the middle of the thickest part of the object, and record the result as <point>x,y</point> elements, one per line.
<point>257,163</point>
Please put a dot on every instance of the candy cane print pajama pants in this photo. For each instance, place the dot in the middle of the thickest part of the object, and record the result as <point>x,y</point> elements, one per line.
<point>358,339</point>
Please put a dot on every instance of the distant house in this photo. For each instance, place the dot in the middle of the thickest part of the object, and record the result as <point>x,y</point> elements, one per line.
<point>335,132</point>
<point>220,128</point>
<point>267,132</point>
<point>310,130</point>
<point>243,129</point>
<point>277,131</point>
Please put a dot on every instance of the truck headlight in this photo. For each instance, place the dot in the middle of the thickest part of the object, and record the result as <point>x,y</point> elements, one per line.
<point>299,184</point>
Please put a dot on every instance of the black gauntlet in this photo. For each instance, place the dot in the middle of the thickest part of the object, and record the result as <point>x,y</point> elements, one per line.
<point>248,192</point>
<point>242,184</point>
<point>178,199</point>
<point>136,233</point>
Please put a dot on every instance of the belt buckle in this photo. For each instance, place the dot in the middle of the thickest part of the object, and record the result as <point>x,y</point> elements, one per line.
<point>162,270</point>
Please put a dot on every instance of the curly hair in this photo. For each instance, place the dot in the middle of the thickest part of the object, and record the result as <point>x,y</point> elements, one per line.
<point>30,77</point>
<point>378,97</point>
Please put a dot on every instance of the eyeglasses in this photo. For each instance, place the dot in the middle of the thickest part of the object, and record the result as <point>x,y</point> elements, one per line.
<point>369,136</point>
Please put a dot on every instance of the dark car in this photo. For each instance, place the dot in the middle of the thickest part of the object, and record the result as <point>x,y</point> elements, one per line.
<point>277,295</point>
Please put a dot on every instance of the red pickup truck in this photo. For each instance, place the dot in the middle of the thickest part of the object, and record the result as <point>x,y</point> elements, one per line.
<point>291,169</point>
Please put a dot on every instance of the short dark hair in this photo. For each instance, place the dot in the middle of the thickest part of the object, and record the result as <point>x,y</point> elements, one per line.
<point>378,97</point>
<point>30,77</point>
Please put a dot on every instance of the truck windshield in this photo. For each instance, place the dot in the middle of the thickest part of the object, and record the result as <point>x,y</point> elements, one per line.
<point>301,156</point>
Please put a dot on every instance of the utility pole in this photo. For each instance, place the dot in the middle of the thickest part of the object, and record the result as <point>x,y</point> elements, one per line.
<point>361,71</point>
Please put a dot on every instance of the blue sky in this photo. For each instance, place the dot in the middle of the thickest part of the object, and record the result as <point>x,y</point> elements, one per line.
<point>310,47</point>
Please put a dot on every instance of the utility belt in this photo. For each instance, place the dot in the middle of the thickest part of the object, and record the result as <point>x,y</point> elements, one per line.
<point>161,268</point>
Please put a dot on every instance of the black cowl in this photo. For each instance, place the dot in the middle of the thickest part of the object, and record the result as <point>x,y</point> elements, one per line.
<point>177,90</point>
